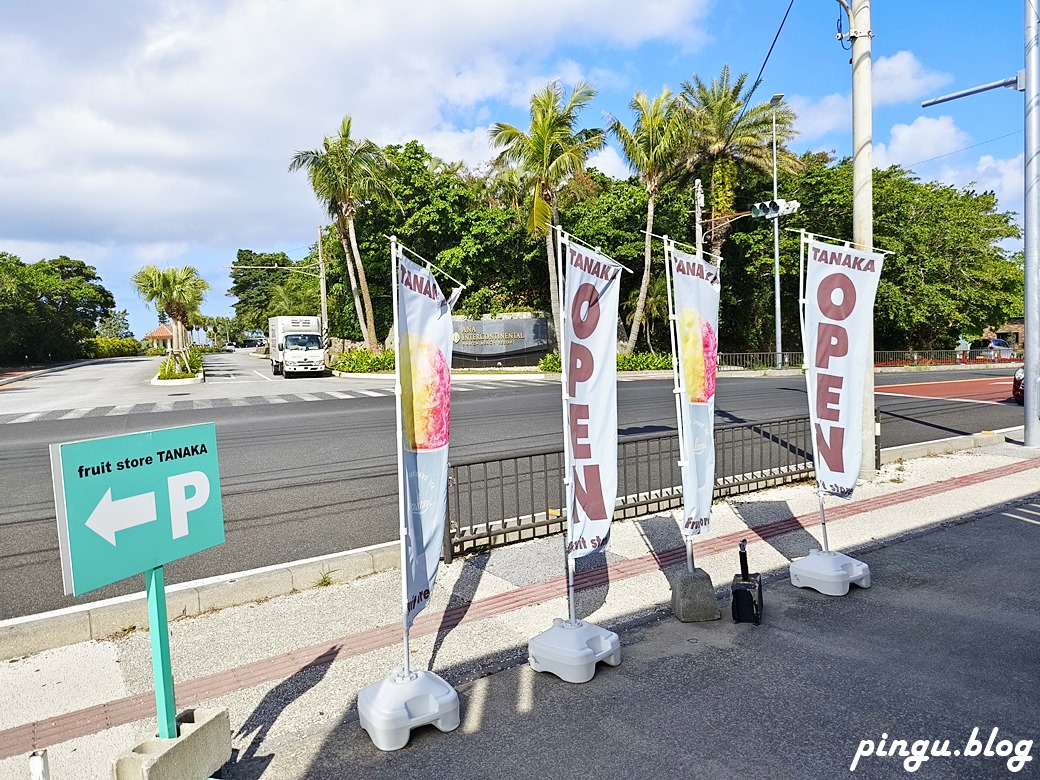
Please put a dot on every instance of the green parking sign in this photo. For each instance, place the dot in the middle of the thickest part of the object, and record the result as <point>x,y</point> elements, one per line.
<point>128,504</point>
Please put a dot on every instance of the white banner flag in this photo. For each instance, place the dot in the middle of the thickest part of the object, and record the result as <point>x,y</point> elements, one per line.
<point>590,304</point>
<point>424,371</point>
<point>696,286</point>
<point>840,286</point>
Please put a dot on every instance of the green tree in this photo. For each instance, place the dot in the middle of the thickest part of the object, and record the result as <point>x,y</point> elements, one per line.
<point>553,149</point>
<point>178,292</point>
<point>114,325</point>
<point>253,275</point>
<point>653,149</point>
<point>344,174</point>
<point>721,138</point>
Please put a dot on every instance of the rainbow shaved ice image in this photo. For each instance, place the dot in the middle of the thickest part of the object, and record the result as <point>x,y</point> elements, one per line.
<point>425,395</point>
<point>700,357</point>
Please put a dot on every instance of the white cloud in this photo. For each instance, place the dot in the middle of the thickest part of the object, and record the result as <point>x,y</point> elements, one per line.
<point>924,139</point>
<point>1005,178</point>
<point>900,78</point>
<point>608,161</point>
<point>820,117</point>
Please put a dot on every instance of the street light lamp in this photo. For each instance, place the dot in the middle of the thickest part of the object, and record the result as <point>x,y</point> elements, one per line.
<point>773,103</point>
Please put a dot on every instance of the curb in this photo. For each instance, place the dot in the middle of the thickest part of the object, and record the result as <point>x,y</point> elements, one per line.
<point>30,634</point>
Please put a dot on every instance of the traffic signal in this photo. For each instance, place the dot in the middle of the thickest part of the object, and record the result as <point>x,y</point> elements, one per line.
<point>772,209</point>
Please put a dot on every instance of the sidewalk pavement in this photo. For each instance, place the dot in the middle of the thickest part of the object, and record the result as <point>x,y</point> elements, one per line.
<point>944,642</point>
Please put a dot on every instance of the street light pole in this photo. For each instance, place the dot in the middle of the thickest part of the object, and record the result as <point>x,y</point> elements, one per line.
<point>774,102</point>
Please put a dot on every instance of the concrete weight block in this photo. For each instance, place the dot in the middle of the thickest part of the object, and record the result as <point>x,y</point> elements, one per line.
<point>693,596</point>
<point>203,747</point>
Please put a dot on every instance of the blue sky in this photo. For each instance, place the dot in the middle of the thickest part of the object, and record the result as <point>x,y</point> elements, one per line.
<point>160,131</point>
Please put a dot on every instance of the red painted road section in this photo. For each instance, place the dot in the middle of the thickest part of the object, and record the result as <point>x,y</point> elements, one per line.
<point>41,734</point>
<point>996,390</point>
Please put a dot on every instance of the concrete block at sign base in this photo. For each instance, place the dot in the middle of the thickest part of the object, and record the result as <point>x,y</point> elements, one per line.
<point>203,747</point>
<point>693,596</point>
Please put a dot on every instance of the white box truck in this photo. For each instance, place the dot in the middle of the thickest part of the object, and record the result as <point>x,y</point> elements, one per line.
<point>296,345</point>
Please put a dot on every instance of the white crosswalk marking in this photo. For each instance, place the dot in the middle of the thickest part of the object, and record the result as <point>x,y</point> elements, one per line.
<point>277,399</point>
<point>338,394</point>
<point>239,402</point>
<point>371,393</point>
<point>306,397</point>
<point>118,410</point>
<point>27,417</point>
<point>74,414</point>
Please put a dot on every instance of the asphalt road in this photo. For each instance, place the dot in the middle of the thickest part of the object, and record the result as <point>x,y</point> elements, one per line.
<point>305,473</point>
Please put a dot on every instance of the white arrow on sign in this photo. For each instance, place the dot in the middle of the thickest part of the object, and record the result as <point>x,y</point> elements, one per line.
<point>111,516</point>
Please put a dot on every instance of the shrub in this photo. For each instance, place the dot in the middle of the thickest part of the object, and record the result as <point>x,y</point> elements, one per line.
<point>362,361</point>
<point>640,361</point>
<point>170,370</point>
<point>550,363</point>
<point>645,361</point>
<point>107,347</point>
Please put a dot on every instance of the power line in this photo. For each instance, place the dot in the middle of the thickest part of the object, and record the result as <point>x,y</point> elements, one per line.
<point>758,78</point>
<point>966,148</point>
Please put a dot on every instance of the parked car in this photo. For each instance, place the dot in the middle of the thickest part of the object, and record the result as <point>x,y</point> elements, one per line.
<point>991,349</point>
<point>253,343</point>
<point>1017,386</point>
<point>230,347</point>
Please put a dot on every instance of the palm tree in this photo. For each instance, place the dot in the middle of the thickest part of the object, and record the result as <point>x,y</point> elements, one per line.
<point>553,151</point>
<point>176,291</point>
<point>653,149</point>
<point>655,307</point>
<point>720,138</point>
<point>344,174</point>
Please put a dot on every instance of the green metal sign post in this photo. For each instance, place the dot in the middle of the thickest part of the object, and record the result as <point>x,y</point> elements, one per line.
<point>127,505</point>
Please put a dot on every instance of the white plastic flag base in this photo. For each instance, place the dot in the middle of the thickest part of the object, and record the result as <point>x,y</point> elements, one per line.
<point>391,708</point>
<point>831,573</point>
<point>572,650</point>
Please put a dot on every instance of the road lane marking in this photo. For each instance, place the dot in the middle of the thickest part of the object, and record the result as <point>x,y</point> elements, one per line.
<point>941,398</point>
<point>263,376</point>
<point>338,394</point>
<point>118,410</point>
<point>27,417</point>
<point>307,397</point>
<point>73,414</point>
<point>371,393</point>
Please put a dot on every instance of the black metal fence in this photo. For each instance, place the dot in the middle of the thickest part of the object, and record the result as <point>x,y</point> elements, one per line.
<point>520,497</point>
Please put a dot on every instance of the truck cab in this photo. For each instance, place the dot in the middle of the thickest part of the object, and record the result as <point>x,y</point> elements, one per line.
<point>296,346</point>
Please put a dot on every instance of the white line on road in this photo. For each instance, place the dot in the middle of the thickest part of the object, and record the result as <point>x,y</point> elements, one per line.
<point>338,394</point>
<point>277,399</point>
<point>263,376</point>
<point>26,417</point>
<point>74,414</point>
<point>306,397</point>
<point>371,393</point>
<point>117,410</point>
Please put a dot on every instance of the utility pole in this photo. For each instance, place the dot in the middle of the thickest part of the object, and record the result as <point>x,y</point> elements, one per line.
<point>1027,81</point>
<point>863,191</point>
<point>1031,385</point>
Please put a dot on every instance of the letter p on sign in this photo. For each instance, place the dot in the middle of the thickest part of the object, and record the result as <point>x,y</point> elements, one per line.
<point>181,503</point>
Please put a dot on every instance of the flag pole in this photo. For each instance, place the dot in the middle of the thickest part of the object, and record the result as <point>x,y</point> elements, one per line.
<point>677,384</point>
<point>805,238</point>
<point>567,485</point>
<point>400,454</point>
